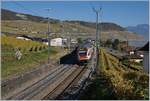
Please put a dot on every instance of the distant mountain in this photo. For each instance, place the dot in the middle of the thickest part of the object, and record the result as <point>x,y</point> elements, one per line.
<point>141,29</point>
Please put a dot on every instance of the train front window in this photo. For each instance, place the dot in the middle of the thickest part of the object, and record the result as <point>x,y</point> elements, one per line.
<point>82,53</point>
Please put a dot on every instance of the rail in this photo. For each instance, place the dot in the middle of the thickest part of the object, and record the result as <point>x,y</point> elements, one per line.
<point>63,86</point>
<point>34,89</point>
<point>51,85</point>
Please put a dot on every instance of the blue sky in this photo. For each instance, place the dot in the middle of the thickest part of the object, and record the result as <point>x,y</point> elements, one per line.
<point>124,13</point>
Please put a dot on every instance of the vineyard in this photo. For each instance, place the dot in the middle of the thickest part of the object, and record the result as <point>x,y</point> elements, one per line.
<point>11,43</point>
<point>33,55</point>
<point>126,82</point>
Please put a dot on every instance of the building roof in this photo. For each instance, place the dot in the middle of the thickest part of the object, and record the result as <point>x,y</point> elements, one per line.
<point>145,48</point>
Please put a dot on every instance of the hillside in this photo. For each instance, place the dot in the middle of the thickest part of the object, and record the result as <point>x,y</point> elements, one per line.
<point>11,15</point>
<point>103,26</point>
<point>141,29</point>
<point>18,24</point>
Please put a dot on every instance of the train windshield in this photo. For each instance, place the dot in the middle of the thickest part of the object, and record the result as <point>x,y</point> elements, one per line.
<point>82,53</point>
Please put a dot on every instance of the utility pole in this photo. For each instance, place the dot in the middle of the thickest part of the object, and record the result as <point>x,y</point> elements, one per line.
<point>48,36</point>
<point>69,42</point>
<point>62,31</point>
<point>127,50</point>
<point>97,38</point>
<point>127,41</point>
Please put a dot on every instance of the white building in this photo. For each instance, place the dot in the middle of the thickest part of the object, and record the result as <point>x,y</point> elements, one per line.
<point>136,58</point>
<point>46,43</point>
<point>22,38</point>
<point>146,57</point>
<point>74,41</point>
<point>56,42</point>
<point>131,52</point>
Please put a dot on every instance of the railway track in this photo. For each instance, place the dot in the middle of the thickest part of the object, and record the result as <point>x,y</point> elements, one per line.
<point>74,89</point>
<point>72,86</point>
<point>33,91</point>
<point>51,85</point>
<point>63,86</point>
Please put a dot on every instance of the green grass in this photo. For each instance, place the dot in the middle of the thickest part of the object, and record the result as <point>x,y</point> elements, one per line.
<point>11,66</point>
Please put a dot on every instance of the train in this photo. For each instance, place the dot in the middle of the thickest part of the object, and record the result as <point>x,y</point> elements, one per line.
<point>85,52</point>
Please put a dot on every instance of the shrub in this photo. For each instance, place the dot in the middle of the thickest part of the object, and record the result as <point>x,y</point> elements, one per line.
<point>130,76</point>
<point>40,48</point>
<point>31,49</point>
<point>35,49</point>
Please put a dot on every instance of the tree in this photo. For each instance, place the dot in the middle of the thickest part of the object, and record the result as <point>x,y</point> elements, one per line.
<point>115,44</point>
<point>80,40</point>
<point>108,43</point>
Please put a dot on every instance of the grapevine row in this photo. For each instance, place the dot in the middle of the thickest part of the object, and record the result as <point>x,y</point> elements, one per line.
<point>12,43</point>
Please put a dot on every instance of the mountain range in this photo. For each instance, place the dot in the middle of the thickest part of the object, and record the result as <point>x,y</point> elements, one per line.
<point>141,29</point>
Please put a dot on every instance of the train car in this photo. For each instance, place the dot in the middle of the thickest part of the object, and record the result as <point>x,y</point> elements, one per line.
<point>85,52</point>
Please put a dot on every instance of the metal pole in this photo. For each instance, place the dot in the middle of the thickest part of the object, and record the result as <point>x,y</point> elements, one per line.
<point>63,46</point>
<point>48,40</point>
<point>97,36</point>
<point>97,45</point>
<point>69,41</point>
<point>48,10</point>
<point>97,40</point>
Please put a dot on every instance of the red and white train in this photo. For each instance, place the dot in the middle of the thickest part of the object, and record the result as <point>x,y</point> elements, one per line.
<point>85,52</point>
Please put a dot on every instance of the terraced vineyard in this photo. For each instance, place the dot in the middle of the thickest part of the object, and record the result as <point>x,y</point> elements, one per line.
<point>126,83</point>
<point>33,53</point>
<point>25,46</point>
